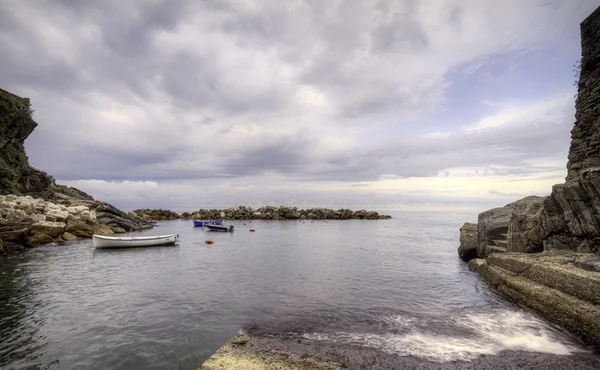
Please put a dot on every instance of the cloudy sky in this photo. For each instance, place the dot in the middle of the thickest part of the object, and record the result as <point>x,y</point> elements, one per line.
<point>437,104</point>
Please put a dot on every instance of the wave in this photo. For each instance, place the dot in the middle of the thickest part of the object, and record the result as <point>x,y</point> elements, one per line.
<point>458,338</point>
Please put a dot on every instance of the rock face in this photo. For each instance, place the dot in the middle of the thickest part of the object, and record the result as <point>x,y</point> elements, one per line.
<point>569,218</point>
<point>563,281</point>
<point>565,288</point>
<point>16,124</point>
<point>468,241</point>
<point>262,213</point>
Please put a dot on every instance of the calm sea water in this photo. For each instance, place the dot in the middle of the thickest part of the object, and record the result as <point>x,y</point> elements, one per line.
<point>395,285</point>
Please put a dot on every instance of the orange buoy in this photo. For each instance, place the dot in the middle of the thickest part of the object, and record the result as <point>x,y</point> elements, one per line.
<point>209,241</point>
<point>252,230</point>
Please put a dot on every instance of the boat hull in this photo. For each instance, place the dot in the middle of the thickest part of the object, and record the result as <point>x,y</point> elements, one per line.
<point>200,223</point>
<point>103,241</point>
<point>222,228</point>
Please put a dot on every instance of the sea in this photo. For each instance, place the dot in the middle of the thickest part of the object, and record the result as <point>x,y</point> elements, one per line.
<point>395,286</point>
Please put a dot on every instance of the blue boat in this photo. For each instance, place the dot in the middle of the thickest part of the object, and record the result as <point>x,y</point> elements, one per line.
<point>223,228</point>
<point>200,223</point>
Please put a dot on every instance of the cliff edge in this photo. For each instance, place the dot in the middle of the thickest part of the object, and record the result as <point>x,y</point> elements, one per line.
<point>544,252</point>
<point>33,208</point>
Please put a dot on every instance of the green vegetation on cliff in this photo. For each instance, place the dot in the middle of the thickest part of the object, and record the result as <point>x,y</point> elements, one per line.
<point>16,124</point>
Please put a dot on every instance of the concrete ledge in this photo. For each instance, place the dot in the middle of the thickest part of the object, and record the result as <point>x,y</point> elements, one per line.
<point>243,352</point>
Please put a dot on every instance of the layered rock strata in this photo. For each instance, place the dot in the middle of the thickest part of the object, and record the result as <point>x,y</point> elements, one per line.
<point>557,271</point>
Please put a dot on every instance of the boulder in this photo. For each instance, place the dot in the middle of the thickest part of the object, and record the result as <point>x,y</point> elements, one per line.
<point>77,209</point>
<point>468,241</point>
<point>68,236</point>
<point>10,216</point>
<point>14,233</point>
<point>37,217</point>
<point>25,204</point>
<point>57,215</point>
<point>52,229</point>
<point>35,238</point>
<point>117,230</point>
<point>81,229</point>
<point>102,230</point>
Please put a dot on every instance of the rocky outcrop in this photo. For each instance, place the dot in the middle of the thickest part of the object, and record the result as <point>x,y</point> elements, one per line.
<point>571,214</point>
<point>28,222</point>
<point>516,227</point>
<point>16,124</point>
<point>569,218</point>
<point>156,214</point>
<point>563,281</point>
<point>262,213</point>
<point>468,241</point>
<point>33,208</point>
<point>565,288</point>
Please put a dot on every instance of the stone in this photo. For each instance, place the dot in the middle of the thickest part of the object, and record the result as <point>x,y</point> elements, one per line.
<point>37,217</point>
<point>1,246</point>
<point>57,215</point>
<point>14,233</point>
<point>81,229</point>
<point>102,230</point>
<point>10,216</point>
<point>77,209</point>
<point>36,238</point>
<point>117,229</point>
<point>468,241</point>
<point>68,236</point>
<point>52,229</point>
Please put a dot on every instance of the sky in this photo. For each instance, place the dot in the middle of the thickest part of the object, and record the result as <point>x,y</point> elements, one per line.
<point>384,105</point>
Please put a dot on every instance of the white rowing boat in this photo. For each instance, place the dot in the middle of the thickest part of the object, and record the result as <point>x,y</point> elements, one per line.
<point>103,241</point>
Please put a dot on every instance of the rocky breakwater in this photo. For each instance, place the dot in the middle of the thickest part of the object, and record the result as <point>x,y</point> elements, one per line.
<point>544,252</point>
<point>155,214</point>
<point>262,213</point>
<point>27,222</point>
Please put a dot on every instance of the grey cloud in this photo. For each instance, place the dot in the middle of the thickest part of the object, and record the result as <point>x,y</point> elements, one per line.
<point>114,59</point>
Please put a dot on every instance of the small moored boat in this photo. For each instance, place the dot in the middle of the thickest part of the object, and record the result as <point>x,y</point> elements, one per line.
<point>200,223</point>
<point>103,241</point>
<point>224,228</point>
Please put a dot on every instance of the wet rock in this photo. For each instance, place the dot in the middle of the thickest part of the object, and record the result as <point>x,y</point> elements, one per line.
<point>117,230</point>
<point>52,229</point>
<point>81,229</point>
<point>468,241</point>
<point>14,233</point>
<point>36,238</point>
<point>102,230</point>
<point>69,237</point>
<point>553,285</point>
<point>288,352</point>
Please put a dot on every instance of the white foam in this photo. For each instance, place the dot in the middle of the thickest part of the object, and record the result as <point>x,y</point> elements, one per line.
<point>478,334</point>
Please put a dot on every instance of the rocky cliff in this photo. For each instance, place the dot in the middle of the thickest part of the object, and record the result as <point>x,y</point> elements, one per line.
<point>33,208</point>
<point>557,238</point>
